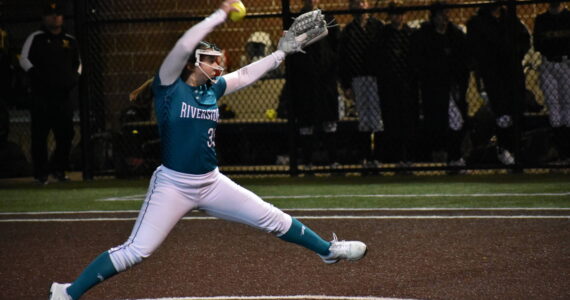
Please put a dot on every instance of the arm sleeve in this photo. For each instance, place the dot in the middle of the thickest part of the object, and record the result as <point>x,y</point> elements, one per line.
<point>475,45</point>
<point>344,64</point>
<point>76,56</point>
<point>522,39</point>
<point>252,72</point>
<point>538,35</point>
<point>417,52</point>
<point>25,62</point>
<point>176,60</point>
<point>80,66</point>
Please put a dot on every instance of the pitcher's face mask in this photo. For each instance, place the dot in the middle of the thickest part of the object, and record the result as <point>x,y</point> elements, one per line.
<point>211,50</point>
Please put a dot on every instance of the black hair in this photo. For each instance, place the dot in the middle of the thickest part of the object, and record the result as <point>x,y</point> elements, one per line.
<point>436,8</point>
<point>354,4</point>
<point>395,8</point>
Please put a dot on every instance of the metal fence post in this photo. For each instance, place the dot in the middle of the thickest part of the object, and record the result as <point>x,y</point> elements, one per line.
<point>291,124</point>
<point>518,110</point>
<point>81,27</point>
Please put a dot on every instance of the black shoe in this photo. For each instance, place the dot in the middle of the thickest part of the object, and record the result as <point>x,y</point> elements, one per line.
<point>60,176</point>
<point>42,180</point>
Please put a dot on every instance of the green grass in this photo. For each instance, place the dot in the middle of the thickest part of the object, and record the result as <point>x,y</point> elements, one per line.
<point>19,197</point>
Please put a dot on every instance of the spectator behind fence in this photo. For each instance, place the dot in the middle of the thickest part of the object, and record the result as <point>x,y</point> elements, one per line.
<point>357,76</point>
<point>13,161</point>
<point>440,59</point>
<point>552,40</point>
<point>6,78</point>
<point>50,56</point>
<point>312,90</point>
<point>397,88</point>
<point>498,55</point>
<point>6,75</point>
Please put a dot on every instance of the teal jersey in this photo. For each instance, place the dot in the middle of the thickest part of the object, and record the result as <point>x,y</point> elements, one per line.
<point>187,118</point>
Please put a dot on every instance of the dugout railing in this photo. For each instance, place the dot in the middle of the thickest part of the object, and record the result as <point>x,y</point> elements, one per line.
<point>260,132</point>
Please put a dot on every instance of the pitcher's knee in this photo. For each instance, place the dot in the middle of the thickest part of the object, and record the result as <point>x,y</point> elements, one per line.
<point>127,255</point>
<point>275,221</point>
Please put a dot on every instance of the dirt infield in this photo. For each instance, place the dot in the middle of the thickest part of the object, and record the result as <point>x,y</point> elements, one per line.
<point>412,254</point>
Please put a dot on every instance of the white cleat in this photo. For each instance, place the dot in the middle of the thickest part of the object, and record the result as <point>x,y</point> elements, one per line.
<point>58,291</point>
<point>505,157</point>
<point>349,250</point>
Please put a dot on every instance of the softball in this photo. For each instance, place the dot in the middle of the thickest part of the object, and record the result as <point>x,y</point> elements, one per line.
<point>240,14</point>
<point>271,114</point>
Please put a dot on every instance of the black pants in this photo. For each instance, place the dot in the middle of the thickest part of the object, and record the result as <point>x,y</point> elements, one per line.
<point>506,90</point>
<point>51,112</point>
<point>447,140</point>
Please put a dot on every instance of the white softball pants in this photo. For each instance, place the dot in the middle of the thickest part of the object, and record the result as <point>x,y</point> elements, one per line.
<point>172,194</point>
<point>555,83</point>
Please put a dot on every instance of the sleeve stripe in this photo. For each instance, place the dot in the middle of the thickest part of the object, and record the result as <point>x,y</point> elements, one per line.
<point>25,62</point>
<point>80,67</point>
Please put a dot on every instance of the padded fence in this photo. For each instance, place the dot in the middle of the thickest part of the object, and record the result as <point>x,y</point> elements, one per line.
<point>452,89</point>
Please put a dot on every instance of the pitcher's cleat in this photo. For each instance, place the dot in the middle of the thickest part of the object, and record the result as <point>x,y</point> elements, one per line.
<point>349,250</point>
<point>58,291</point>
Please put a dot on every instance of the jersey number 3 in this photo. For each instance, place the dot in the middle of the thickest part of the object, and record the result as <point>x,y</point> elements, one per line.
<point>211,137</point>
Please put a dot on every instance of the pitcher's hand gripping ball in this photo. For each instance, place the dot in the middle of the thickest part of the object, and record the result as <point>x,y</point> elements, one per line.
<point>240,13</point>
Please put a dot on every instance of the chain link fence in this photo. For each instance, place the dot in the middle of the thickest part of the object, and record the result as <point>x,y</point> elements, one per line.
<point>396,87</point>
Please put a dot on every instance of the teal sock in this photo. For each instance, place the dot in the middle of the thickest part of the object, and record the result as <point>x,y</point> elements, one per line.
<point>101,268</point>
<point>304,236</point>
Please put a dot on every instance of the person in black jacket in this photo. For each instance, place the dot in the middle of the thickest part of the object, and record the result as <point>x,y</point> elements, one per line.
<point>311,88</point>
<point>498,41</point>
<point>439,56</point>
<point>552,40</point>
<point>398,90</point>
<point>357,75</point>
<point>51,58</point>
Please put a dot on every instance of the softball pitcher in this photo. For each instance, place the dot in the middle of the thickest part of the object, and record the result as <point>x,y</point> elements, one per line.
<point>186,90</point>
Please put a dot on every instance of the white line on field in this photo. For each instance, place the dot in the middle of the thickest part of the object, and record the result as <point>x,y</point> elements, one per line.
<point>70,212</point>
<point>142,196</point>
<point>125,198</point>
<point>300,217</point>
<point>420,195</point>
<point>429,209</point>
<point>280,297</point>
<point>348,209</point>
